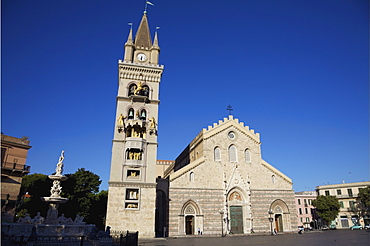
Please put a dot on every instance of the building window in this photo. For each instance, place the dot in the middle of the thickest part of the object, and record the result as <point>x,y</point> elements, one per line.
<point>273,179</point>
<point>350,194</point>
<point>305,202</point>
<point>300,210</point>
<point>131,113</point>
<point>217,154</point>
<point>307,219</point>
<point>299,201</point>
<point>191,177</point>
<point>309,201</point>
<point>327,193</point>
<point>132,199</point>
<point>247,156</point>
<point>339,192</point>
<point>341,204</point>
<point>232,154</point>
<point>306,210</point>
<point>301,219</point>
<point>143,114</point>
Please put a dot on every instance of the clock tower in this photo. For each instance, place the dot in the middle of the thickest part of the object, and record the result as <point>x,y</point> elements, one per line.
<point>132,183</point>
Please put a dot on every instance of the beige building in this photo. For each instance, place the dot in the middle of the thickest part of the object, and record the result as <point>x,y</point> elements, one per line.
<point>218,184</point>
<point>13,167</point>
<point>306,213</point>
<point>347,194</point>
<point>132,184</point>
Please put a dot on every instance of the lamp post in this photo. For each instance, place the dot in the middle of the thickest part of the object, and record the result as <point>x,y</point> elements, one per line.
<point>222,222</point>
<point>271,219</point>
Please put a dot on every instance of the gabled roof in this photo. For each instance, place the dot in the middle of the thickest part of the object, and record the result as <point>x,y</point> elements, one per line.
<point>226,123</point>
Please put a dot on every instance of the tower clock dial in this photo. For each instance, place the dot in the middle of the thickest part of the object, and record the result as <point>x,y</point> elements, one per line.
<point>141,57</point>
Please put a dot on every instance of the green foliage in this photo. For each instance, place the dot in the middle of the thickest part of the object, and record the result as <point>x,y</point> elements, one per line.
<point>327,207</point>
<point>81,188</point>
<point>35,185</point>
<point>364,196</point>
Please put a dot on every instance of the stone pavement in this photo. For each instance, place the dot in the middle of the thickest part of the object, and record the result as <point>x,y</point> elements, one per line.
<point>324,238</point>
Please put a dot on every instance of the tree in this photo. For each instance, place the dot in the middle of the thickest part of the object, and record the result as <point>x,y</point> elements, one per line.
<point>362,205</point>
<point>364,197</point>
<point>34,186</point>
<point>327,207</point>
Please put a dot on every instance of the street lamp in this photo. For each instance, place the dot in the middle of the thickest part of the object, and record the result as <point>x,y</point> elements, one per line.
<point>271,219</point>
<point>222,222</point>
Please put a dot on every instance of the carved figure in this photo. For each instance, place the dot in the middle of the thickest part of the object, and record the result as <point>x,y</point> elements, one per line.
<point>152,122</point>
<point>59,169</point>
<point>27,219</point>
<point>79,220</point>
<point>133,174</point>
<point>62,219</point>
<point>38,219</point>
<point>120,120</point>
<point>138,88</point>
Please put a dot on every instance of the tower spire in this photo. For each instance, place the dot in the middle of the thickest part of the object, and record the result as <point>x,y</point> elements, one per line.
<point>142,38</point>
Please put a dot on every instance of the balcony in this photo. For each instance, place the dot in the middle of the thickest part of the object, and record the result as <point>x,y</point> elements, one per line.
<point>135,143</point>
<point>14,167</point>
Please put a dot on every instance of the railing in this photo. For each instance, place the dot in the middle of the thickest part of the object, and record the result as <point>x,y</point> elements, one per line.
<point>16,166</point>
<point>121,239</point>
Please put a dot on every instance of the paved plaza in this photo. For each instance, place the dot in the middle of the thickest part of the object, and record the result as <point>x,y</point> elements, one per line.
<point>327,238</point>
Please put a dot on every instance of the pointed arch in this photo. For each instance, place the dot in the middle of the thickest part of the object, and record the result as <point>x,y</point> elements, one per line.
<point>190,207</point>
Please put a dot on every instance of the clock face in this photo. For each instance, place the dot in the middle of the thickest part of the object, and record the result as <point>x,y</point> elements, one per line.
<point>141,57</point>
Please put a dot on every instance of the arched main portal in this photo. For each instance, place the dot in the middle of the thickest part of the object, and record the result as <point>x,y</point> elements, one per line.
<point>237,212</point>
<point>281,215</point>
<point>190,218</point>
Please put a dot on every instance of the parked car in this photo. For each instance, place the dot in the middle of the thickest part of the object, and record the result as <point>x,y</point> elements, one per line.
<point>367,227</point>
<point>356,227</point>
<point>324,228</point>
<point>333,227</point>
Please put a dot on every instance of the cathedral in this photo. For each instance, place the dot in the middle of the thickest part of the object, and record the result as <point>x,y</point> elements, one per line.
<point>218,185</point>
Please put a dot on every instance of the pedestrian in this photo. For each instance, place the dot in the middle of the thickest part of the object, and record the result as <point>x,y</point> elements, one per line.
<point>274,232</point>
<point>198,231</point>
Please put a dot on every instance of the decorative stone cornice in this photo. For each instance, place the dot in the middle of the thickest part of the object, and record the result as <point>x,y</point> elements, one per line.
<point>130,184</point>
<point>275,171</point>
<point>136,71</point>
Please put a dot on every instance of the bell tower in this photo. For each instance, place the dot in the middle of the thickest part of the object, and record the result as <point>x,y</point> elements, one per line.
<point>132,183</point>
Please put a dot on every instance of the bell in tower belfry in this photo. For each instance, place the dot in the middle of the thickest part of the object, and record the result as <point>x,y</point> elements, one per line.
<point>135,149</point>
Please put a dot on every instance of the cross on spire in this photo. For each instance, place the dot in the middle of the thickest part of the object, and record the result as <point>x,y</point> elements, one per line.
<point>229,108</point>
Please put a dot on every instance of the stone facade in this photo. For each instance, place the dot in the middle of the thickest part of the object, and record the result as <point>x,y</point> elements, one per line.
<point>220,182</point>
<point>132,184</point>
<point>13,167</point>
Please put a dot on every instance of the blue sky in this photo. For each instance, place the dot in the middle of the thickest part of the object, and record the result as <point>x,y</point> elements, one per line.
<point>296,71</point>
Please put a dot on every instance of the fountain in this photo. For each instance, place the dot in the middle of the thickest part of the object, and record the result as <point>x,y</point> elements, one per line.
<point>52,226</point>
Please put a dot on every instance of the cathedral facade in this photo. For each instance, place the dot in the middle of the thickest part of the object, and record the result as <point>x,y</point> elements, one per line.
<point>219,184</point>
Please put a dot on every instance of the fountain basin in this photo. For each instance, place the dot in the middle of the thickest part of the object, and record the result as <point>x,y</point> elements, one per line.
<point>55,200</point>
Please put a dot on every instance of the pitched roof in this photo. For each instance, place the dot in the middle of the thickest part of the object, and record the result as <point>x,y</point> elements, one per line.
<point>142,38</point>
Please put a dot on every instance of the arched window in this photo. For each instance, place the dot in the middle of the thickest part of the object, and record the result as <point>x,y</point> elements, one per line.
<point>273,179</point>
<point>143,114</point>
<point>145,91</point>
<point>131,114</point>
<point>232,154</point>
<point>191,177</point>
<point>131,89</point>
<point>247,155</point>
<point>217,154</point>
